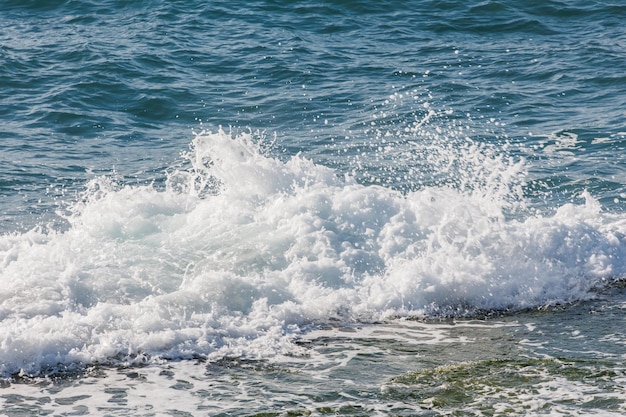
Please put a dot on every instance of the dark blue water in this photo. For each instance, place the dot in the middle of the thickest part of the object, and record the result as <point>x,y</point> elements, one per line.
<point>476,156</point>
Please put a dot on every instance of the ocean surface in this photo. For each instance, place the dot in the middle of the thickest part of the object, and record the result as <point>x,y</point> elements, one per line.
<point>294,208</point>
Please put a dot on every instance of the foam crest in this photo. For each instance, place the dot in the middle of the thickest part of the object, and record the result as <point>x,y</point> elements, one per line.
<point>240,251</point>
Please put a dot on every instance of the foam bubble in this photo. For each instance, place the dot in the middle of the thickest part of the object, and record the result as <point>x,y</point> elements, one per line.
<point>240,251</point>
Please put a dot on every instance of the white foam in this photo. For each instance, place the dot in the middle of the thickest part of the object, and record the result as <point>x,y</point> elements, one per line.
<point>240,250</point>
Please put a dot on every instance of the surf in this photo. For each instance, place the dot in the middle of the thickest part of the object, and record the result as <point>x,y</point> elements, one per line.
<point>239,252</point>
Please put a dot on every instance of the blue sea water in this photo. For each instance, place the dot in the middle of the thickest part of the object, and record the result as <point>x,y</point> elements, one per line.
<point>312,208</point>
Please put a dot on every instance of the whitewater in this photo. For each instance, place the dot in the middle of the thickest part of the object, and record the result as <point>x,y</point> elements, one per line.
<point>239,253</point>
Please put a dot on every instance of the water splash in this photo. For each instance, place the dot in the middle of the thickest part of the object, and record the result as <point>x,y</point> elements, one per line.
<point>240,251</point>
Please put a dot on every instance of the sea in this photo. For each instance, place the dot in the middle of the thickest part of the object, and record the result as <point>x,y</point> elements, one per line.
<point>313,208</point>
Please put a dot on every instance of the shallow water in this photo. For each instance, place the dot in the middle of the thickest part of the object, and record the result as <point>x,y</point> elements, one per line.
<point>536,363</point>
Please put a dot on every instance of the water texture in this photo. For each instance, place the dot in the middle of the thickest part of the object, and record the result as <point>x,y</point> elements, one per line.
<point>293,195</point>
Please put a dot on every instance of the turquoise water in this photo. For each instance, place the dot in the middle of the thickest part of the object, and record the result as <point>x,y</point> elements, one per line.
<point>304,208</point>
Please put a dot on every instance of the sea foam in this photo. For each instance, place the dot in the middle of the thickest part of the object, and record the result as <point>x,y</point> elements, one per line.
<point>238,252</point>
